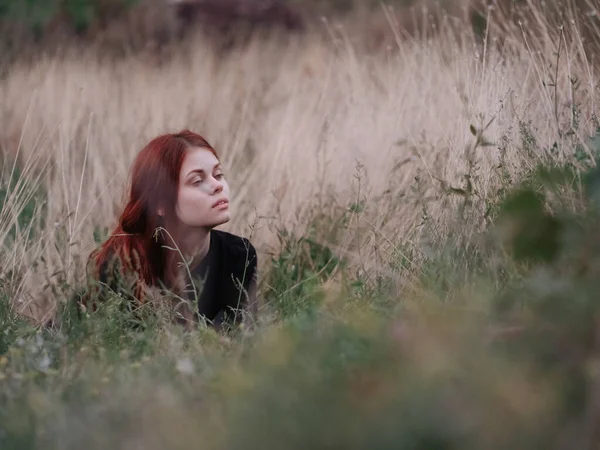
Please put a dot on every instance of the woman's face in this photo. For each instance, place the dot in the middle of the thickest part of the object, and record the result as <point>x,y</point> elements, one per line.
<point>203,198</point>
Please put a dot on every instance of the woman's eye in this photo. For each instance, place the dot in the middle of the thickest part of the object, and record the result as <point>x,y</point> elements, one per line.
<point>219,176</point>
<point>196,181</point>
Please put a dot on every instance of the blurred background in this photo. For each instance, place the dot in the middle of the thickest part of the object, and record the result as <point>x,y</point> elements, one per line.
<point>124,26</point>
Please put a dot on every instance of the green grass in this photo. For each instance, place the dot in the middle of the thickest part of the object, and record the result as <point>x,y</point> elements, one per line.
<point>493,344</point>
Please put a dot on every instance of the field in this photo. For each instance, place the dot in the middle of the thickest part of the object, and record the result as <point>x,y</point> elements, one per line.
<point>426,220</point>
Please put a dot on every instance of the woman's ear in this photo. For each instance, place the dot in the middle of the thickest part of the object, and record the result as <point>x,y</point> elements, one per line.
<point>160,212</point>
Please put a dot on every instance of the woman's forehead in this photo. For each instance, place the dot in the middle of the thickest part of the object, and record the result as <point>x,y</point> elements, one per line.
<point>199,158</point>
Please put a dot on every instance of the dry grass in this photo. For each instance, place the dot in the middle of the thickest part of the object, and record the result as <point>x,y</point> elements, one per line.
<point>292,123</point>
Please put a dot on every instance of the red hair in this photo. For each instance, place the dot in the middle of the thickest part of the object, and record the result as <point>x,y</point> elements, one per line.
<point>154,187</point>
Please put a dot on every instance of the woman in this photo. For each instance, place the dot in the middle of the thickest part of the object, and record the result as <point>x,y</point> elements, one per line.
<point>165,239</point>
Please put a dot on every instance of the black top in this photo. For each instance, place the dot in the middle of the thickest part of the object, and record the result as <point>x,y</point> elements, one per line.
<point>222,280</point>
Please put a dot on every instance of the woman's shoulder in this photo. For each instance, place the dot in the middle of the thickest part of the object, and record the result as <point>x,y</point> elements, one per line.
<point>235,246</point>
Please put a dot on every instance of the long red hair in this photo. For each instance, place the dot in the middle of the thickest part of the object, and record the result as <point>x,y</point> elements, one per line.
<point>154,188</point>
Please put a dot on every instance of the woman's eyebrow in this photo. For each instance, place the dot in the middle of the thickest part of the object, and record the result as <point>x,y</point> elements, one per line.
<point>195,171</point>
<point>201,171</point>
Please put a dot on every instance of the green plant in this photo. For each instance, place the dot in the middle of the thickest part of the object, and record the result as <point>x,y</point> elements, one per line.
<point>297,273</point>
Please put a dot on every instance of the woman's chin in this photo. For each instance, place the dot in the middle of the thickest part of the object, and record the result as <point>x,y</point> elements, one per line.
<point>222,219</point>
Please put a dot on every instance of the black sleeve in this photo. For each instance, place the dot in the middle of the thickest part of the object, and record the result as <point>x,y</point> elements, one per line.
<point>240,270</point>
<point>251,263</point>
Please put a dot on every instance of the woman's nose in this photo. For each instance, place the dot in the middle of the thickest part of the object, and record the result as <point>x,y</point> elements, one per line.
<point>217,186</point>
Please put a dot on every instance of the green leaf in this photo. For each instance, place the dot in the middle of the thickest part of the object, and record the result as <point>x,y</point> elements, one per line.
<point>523,203</point>
<point>356,207</point>
<point>532,235</point>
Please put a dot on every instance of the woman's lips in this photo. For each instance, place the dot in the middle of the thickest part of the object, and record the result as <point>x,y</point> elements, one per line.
<point>221,204</point>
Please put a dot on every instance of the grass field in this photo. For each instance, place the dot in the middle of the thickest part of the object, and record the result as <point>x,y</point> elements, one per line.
<point>425,219</point>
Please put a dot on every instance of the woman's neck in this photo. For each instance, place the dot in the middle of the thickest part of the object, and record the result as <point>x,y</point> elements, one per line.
<point>195,245</point>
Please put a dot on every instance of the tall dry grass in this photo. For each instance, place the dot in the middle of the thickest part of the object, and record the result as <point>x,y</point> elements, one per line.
<point>294,123</point>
